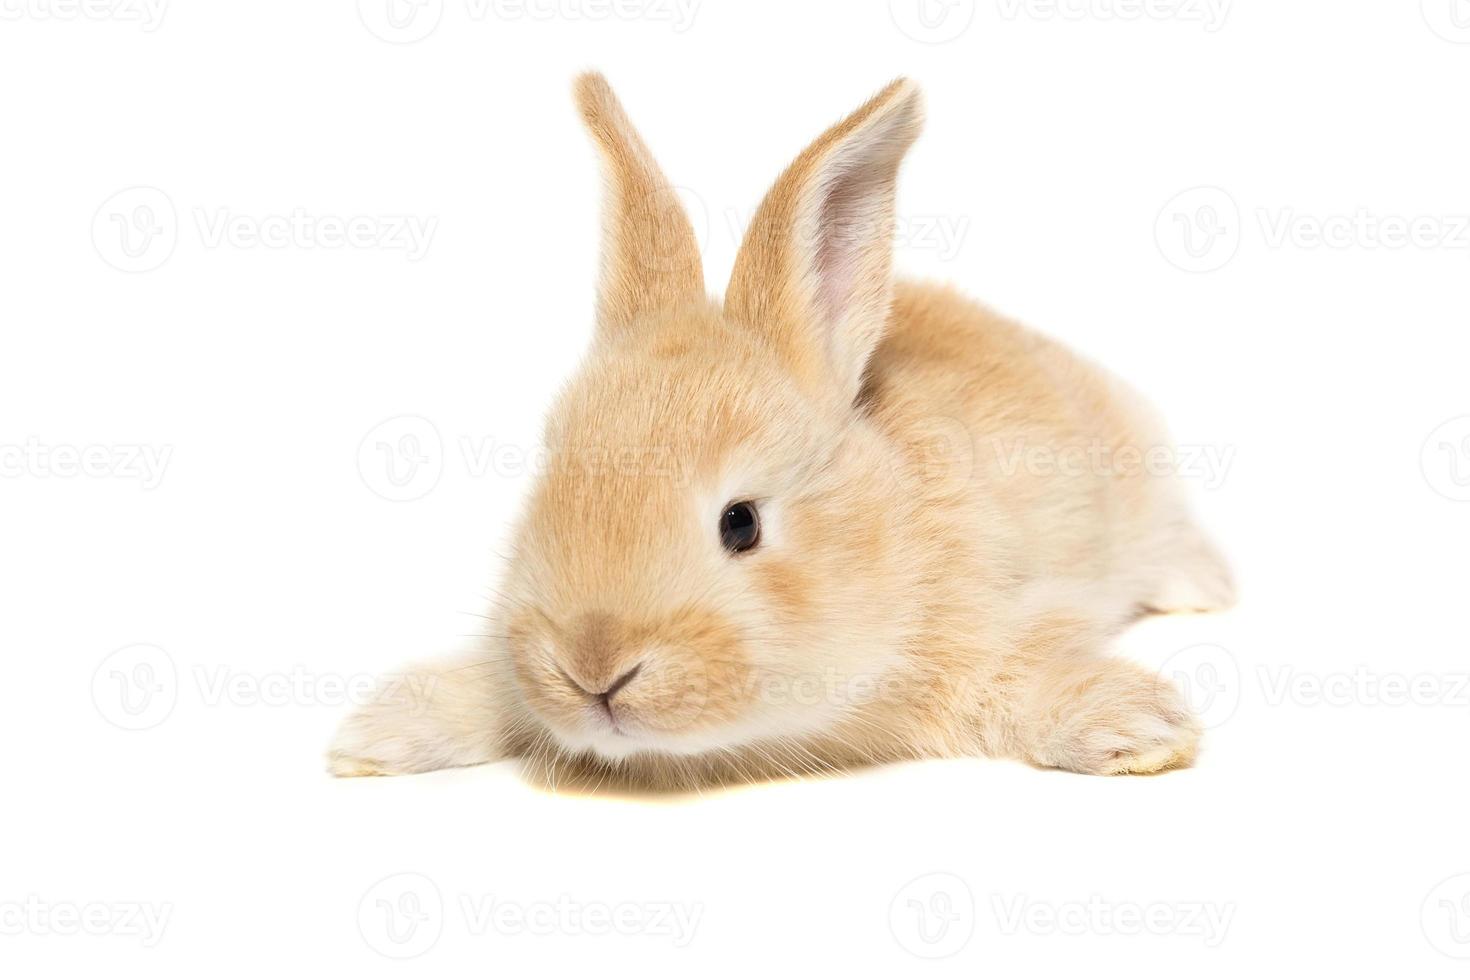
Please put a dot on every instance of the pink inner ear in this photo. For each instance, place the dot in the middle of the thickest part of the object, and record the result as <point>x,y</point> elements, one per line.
<point>851,226</point>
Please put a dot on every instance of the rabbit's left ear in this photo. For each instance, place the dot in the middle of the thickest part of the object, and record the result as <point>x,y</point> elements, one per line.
<point>814,272</point>
<point>650,257</point>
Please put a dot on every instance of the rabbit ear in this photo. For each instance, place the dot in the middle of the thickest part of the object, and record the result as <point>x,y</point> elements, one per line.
<point>814,270</point>
<point>650,258</point>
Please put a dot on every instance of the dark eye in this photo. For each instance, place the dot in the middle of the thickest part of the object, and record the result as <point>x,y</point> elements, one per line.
<point>740,527</point>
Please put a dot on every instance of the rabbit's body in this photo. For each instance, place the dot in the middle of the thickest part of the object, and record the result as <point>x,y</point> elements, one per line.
<point>933,520</point>
<point>1060,535</point>
<point>1058,478</point>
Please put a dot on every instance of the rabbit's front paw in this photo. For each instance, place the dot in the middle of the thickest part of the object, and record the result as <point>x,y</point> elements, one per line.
<point>355,752</point>
<point>385,738</point>
<point>424,720</point>
<point>1112,717</point>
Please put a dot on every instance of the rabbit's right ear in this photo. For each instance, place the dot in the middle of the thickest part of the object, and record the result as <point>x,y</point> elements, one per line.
<point>650,257</point>
<point>813,273</point>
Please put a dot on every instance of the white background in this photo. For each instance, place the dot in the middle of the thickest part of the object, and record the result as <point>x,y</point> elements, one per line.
<point>266,565</point>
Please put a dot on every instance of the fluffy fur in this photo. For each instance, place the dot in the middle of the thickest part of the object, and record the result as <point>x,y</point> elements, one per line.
<point>919,589</point>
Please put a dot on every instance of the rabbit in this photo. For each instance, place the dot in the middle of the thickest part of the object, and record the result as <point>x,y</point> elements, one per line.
<point>825,523</point>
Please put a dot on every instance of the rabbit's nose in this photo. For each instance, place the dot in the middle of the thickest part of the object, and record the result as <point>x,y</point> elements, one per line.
<point>606,696</point>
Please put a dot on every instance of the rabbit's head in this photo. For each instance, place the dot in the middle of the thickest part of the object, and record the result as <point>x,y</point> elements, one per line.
<point>718,551</point>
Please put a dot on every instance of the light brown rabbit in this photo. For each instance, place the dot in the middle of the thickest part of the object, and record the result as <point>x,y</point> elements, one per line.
<point>833,520</point>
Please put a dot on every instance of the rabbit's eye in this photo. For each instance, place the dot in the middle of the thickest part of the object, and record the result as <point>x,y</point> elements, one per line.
<point>740,527</point>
